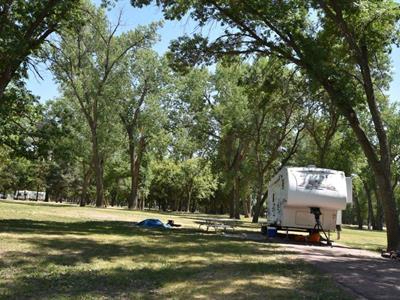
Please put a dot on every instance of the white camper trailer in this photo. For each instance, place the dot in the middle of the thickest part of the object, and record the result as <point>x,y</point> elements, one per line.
<point>29,195</point>
<point>293,192</point>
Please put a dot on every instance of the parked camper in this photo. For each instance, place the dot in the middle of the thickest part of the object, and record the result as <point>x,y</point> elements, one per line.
<point>295,194</point>
<point>29,195</point>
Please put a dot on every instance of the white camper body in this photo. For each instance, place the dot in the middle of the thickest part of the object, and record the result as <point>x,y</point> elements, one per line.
<point>293,191</point>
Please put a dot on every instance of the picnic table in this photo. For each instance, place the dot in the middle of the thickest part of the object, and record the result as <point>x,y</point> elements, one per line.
<point>217,223</point>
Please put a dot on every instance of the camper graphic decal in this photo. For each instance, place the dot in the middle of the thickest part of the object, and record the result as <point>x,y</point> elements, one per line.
<point>315,180</point>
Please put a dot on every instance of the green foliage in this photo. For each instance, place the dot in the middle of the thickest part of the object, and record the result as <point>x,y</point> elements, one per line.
<point>181,185</point>
<point>20,116</point>
<point>25,25</point>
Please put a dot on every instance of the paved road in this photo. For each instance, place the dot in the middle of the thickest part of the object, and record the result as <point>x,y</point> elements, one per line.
<point>365,274</point>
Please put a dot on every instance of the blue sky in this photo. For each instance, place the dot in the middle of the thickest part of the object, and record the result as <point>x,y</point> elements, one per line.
<point>46,89</point>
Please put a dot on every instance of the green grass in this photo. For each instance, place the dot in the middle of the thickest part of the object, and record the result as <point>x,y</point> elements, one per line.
<point>52,251</point>
<point>363,239</point>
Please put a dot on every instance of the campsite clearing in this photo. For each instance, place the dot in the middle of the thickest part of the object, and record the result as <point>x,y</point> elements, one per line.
<point>58,251</point>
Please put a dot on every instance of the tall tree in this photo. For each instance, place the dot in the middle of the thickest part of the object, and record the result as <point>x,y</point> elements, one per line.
<point>142,92</point>
<point>86,64</point>
<point>233,115</point>
<point>66,149</point>
<point>278,114</point>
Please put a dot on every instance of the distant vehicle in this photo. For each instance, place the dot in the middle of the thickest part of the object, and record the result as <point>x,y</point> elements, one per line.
<point>296,195</point>
<point>29,195</point>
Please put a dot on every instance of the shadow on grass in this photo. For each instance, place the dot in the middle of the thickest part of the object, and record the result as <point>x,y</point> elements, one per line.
<point>122,228</point>
<point>63,228</point>
<point>212,280</point>
<point>82,249</point>
<point>59,265</point>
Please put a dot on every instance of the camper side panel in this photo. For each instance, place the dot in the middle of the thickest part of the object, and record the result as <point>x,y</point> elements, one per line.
<point>300,217</point>
<point>277,195</point>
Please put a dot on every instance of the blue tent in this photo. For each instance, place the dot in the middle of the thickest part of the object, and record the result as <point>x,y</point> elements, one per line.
<point>153,223</point>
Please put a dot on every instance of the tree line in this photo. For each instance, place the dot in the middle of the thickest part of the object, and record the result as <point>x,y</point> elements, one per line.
<point>292,83</point>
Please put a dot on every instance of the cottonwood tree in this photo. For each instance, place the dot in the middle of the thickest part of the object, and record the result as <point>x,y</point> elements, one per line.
<point>86,64</point>
<point>201,116</point>
<point>181,185</point>
<point>25,25</point>
<point>191,114</point>
<point>18,121</point>
<point>235,118</point>
<point>139,108</point>
<point>66,149</point>
<point>322,127</point>
<point>278,112</point>
<point>198,182</point>
<point>342,46</point>
<point>232,113</point>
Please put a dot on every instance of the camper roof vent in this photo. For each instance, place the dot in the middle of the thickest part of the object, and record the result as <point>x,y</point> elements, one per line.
<point>311,166</point>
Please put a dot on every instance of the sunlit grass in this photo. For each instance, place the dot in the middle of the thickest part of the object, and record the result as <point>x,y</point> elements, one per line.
<point>50,251</point>
<point>363,239</point>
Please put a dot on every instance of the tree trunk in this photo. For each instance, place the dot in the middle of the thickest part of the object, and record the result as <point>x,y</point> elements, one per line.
<point>380,165</point>
<point>114,193</point>
<point>37,193</point>
<point>46,196</point>
<point>135,162</point>
<point>257,209</point>
<point>322,155</point>
<point>85,184</point>
<point>246,206</point>
<point>132,158</point>
<point>5,78</point>
<point>175,207</point>
<point>189,195</point>
<point>371,218</point>
<point>258,206</point>
<point>194,207</point>
<point>385,193</point>
<point>113,198</point>
<point>141,201</point>
<point>98,168</point>
<point>231,204</point>
<point>236,198</point>
<point>358,211</point>
<point>381,170</point>
<point>259,201</point>
<point>379,212</point>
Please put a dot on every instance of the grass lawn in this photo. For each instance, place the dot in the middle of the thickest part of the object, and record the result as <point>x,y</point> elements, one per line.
<point>50,251</point>
<point>363,239</point>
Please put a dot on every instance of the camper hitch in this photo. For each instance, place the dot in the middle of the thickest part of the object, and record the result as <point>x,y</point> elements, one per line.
<point>316,211</point>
